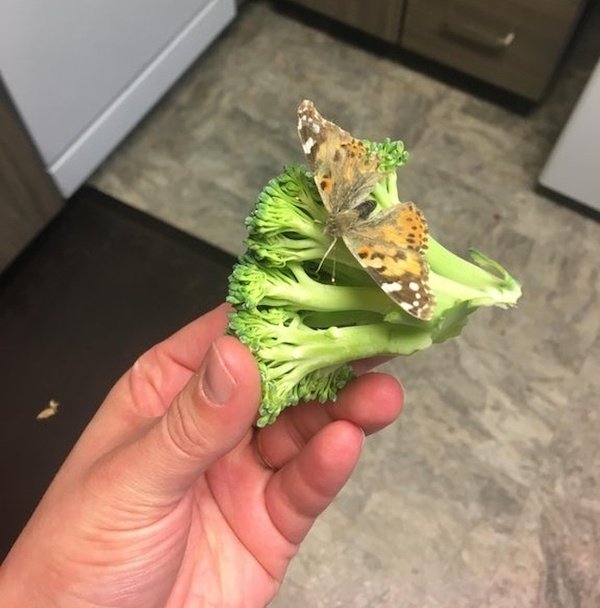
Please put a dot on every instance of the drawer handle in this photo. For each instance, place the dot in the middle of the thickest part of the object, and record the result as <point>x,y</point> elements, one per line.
<point>472,33</point>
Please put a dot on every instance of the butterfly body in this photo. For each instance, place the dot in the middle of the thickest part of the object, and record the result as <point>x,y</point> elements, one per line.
<point>388,244</point>
<point>339,223</point>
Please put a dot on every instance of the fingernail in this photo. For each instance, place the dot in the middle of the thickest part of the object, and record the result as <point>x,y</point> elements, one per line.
<point>217,382</point>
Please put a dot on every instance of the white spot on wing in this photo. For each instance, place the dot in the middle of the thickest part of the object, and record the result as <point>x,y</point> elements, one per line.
<point>391,287</point>
<point>307,146</point>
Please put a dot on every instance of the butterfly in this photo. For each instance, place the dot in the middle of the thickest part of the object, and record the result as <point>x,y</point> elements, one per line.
<point>388,244</point>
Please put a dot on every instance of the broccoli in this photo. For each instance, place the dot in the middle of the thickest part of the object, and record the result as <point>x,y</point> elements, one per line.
<point>307,309</point>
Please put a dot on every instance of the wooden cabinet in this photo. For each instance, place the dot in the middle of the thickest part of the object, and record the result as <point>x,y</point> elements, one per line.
<point>514,44</point>
<point>28,197</point>
<point>380,18</point>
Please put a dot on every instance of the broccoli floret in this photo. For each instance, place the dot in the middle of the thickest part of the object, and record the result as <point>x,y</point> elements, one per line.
<point>255,285</point>
<point>307,310</point>
<point>286,224</point>
<point>391,154</point>
<point>299,362</point>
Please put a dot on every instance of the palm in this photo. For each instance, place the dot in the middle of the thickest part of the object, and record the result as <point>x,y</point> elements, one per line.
<point>247,563</point>
<point>228,540</point>
<point>242,528</point>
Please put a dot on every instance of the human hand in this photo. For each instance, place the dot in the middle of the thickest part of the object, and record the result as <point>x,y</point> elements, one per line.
<point>172,498</point>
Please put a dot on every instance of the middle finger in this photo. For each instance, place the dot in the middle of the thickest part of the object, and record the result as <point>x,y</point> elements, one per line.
<point>371,402</point>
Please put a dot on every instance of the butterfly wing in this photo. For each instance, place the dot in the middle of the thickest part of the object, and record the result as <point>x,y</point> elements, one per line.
<point>390,247</point>
<point>345,174</point>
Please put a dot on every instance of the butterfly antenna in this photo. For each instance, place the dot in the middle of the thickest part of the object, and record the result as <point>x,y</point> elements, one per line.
<point>333,242</point>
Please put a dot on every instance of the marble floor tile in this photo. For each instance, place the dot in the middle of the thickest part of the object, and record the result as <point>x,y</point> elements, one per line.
<point>486,493</point>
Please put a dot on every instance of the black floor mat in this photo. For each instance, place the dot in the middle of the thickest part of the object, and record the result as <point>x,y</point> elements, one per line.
<point>101,284</point>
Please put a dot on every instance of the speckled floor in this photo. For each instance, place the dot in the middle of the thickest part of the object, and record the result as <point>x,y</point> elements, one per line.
<point>487,492</point>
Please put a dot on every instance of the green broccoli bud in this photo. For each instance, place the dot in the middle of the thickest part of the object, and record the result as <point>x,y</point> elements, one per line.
<point>286,223</point>
<point>391,154</point>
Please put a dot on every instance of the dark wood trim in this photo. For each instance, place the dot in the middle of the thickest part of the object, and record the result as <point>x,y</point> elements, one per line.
<point>28,196</point>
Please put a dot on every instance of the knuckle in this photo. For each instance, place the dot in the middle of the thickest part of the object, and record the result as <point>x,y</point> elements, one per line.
<point>185,431</point>
<point>145,380</point>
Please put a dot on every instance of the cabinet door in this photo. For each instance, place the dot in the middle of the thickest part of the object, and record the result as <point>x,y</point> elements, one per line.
<point>379,18</point>
<point>28,196</point>
<point>514,44</point>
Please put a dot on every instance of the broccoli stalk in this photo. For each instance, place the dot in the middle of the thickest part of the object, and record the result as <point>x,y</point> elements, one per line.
<point>254,285</point>
<point>306,317</point>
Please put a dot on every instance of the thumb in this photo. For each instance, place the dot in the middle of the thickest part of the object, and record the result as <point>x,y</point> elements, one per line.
<point>208,418</point>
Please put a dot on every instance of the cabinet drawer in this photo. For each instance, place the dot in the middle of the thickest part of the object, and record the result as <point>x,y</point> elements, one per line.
<point>514,44</point>
<point>379,18</point>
